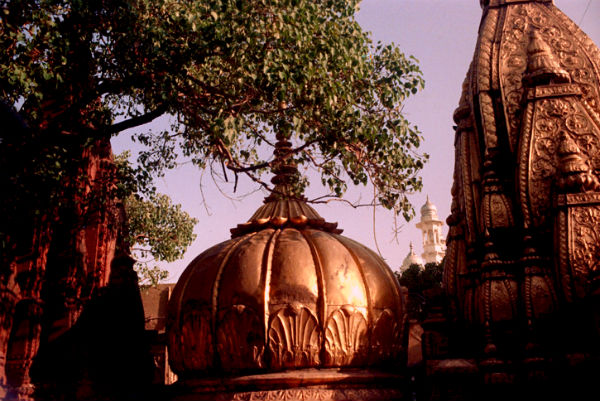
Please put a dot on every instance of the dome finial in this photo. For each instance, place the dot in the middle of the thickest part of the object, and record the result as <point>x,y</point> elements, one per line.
<point>285,205</point>
<point>287,177</point>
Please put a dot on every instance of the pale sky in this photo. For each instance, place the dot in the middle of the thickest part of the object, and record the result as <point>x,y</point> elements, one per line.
<point>441,34</point>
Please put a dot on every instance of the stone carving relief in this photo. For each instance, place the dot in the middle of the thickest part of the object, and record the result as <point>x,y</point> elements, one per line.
<point>21,350</point>
<point>552,121</point>
<point>191,342</point>
<point>346,338</point>
<point>564,43</point>
<point>240,339</point>
<point>579,243</point>
<point>386,343</point>
<point>523,235</point>
<point>586,241</point>
<point>294,338</point>
<point>314,394</point>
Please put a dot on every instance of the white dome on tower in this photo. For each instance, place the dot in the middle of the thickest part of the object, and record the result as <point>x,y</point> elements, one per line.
<point>429,211</point>
<point>434,244</point>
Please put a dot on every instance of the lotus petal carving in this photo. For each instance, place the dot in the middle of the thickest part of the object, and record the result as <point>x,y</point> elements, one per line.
<point>346,338</point>
<point>294,338</point>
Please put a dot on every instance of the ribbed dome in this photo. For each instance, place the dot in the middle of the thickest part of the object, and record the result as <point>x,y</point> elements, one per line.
<point>287,291</point>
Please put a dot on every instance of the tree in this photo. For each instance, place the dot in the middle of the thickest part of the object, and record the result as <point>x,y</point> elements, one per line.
<point>156,230</point>
<point>227,73</point>
<point>433,275</point>
<point>418,280</point>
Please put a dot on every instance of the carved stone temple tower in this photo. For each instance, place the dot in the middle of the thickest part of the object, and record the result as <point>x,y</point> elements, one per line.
<point>521,275</point>
<point>287,309</point>
<point>434,244</point>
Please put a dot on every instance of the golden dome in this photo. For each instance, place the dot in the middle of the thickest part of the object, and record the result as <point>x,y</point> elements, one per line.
<point>286,291</point>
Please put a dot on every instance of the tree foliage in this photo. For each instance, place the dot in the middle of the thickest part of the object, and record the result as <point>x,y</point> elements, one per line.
<point>157,229</point>
<point>228,73</point>
<point>419,280</point>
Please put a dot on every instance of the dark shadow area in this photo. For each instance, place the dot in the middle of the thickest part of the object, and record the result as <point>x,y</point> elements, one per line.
<point>104,356</point>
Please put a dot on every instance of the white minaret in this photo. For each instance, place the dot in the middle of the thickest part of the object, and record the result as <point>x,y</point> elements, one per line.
<point>434,245</point>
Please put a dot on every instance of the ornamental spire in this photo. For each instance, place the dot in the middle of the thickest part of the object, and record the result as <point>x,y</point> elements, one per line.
<point>287,177</point>
<point>285,205</point>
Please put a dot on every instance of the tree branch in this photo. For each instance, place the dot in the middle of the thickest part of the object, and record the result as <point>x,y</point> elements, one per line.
<point>138,120</point>
<point>255,167</point>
